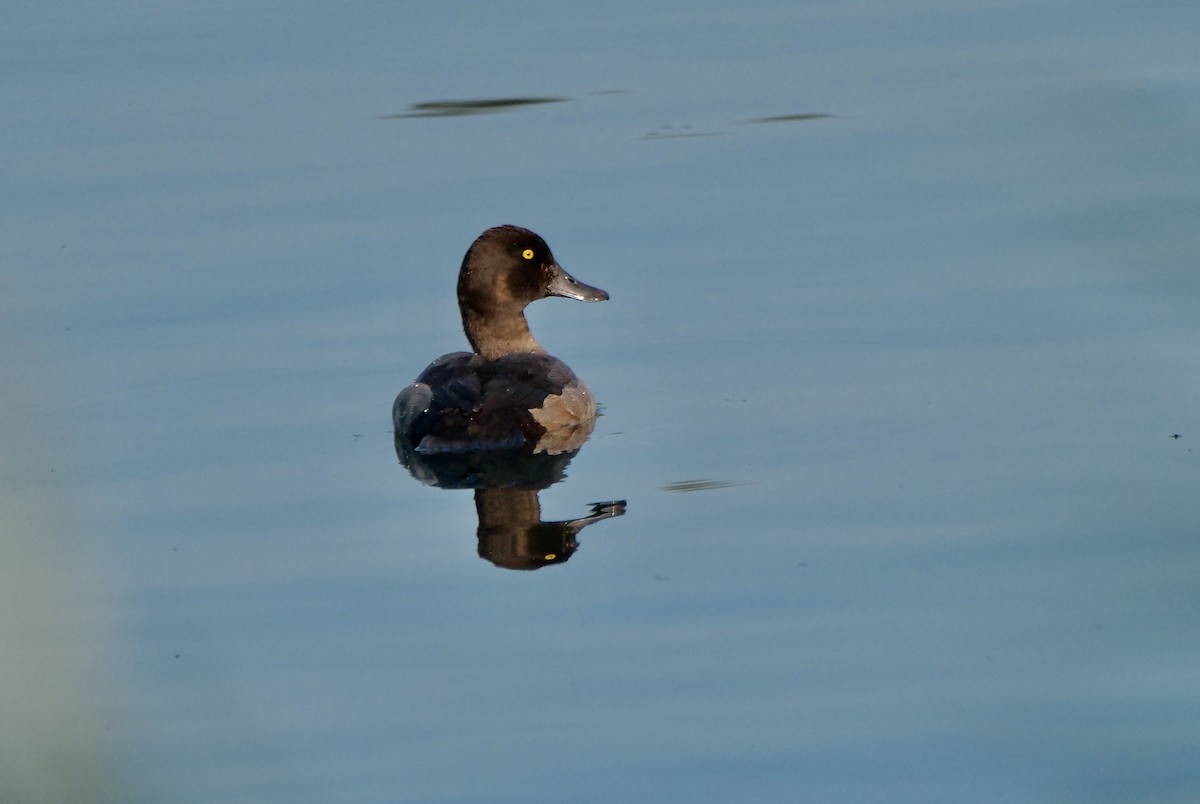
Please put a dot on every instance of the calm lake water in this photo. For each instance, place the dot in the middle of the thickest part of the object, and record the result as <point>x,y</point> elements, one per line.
<point>899,380</point>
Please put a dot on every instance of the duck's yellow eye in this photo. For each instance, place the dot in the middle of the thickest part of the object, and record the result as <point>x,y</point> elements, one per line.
<point>527,254</point>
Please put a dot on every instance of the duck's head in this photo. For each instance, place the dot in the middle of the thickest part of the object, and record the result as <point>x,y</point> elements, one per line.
<point>505,269</point>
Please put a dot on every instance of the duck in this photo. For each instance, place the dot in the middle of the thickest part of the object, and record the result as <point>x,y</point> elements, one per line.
<point>508,392</point>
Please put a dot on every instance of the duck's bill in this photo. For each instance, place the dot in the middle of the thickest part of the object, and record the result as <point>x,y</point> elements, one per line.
<point>563,284</point>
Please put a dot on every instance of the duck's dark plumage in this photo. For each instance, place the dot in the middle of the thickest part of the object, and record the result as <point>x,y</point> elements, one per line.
<point>508,392</point>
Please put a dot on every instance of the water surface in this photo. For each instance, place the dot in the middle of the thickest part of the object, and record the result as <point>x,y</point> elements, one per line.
<point>899,381</point>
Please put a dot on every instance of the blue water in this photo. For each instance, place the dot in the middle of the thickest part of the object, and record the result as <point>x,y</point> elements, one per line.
<point>891,387</point>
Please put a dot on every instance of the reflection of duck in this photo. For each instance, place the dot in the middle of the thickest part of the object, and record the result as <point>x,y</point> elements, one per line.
<point>508,392</point>
<point>512,534</point>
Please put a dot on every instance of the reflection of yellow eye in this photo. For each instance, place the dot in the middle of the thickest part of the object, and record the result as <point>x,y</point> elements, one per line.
<point>527,254</point>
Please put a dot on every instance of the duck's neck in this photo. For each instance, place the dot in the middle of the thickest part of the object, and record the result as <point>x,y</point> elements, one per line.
<point>496,335</point>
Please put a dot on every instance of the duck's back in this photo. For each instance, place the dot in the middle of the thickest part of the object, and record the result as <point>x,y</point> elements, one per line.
<point>464,401</point>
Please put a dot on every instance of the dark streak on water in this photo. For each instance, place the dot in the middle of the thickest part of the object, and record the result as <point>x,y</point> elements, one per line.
<point>791,118</point>
<point>674,132</point>
<point>698,485</point>
<point>457,108</point>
